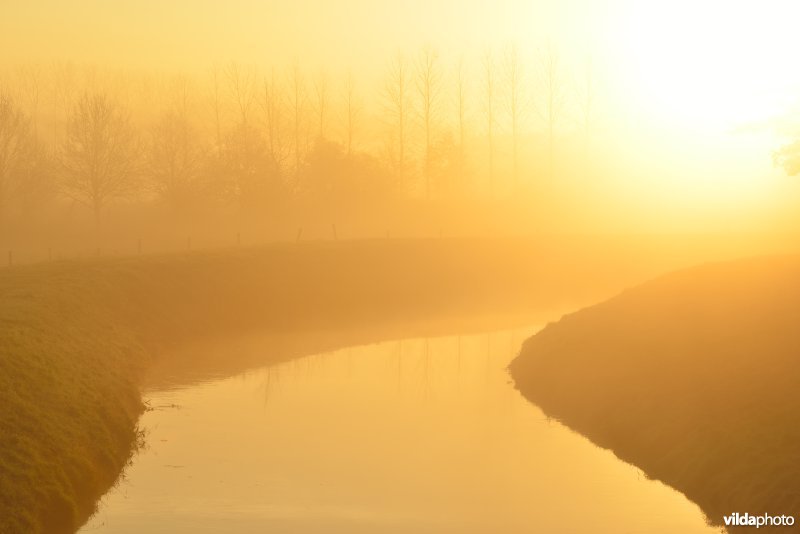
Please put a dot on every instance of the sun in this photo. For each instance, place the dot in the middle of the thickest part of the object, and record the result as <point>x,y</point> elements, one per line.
<point>711,64</point>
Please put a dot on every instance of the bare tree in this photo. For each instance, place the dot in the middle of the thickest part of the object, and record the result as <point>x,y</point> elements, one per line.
<point>515,105</point>
<point>20,157</point>
<point>242,86</point>
<point>297,101</point>
<point>461,118</point>
<point>100,157</point>
<point>216,105</point>
<point>352,111</point>
<point>173,158</point>
<point>321,104</point>
<point>30,77</point>
<point>54,92</point>
<point>64,81</point>
<point>489,109</point>
<point>146,91</point>
<point>587,95</point>
<point>554,98</point>
<point>396,95</point>
<point>274,122</point>
<point>461,104</point>
<point>429,85</point>
<point>241,145</point>
<point>178,91</point>
<point>246,170</point>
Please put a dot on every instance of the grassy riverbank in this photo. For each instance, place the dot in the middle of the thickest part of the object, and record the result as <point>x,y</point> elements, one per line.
<point>76,337</point>
<point>693,377</point>
<point>68,397</point>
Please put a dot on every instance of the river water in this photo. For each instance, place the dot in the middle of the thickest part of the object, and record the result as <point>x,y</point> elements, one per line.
<point>424,435</point>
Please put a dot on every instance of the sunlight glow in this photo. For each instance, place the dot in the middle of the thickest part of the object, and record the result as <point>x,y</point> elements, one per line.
<point>712,64</point>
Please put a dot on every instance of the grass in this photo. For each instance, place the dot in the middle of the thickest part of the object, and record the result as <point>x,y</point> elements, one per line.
<point>69,400</point>
<point>693,377</point>
<point>77,337</point>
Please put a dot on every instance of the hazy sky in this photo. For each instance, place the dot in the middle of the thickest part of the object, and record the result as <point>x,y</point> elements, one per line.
<point>194,32</point>
<point>712,62</point>
<point>693,87</point>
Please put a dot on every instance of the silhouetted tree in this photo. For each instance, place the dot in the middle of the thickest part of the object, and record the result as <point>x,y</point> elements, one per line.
<point>64,82</point>
<point>35,183</point>
<point>14,145</point>
<point>30,81</point>
<point>277,144</point>
<point>587,95</point>
<point>489,109</point>
<point>245,173</point>
<point>352,112</point>
<point>461,111</point>
<point>429,82</point>
<point>396,96</point>
<point>23,164</point>
<point>101,157</point>
<point>340,183</point>
<point>321,104</point>
<point>216,105</point>
<point>553,98</point>
<point>515,104</point>
<point>446,163</point>
<point>173,158</point>
<point>297,101</point>
<point>461,104</point>
<point>242,87</point>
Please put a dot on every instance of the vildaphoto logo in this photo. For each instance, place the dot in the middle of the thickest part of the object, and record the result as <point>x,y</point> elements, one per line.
<point>766,520</point>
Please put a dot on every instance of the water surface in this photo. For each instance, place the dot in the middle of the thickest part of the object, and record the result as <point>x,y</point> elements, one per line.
<point>418,435</point>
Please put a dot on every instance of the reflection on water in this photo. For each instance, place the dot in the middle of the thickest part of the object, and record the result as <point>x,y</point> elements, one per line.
<point>419,435</point>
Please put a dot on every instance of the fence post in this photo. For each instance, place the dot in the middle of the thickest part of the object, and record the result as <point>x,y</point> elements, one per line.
<point>335,237</point>
<point>10,258</point>
<point>299,233</point>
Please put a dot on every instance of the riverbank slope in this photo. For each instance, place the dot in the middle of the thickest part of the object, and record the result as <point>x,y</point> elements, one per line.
<point>77,337</point>
<point>693,377</point>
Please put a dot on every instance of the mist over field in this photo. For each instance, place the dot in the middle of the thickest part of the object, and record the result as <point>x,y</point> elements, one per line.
<point>375,266</point>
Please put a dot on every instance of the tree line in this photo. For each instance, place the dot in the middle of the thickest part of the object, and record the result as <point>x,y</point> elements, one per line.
<point>255,138</point>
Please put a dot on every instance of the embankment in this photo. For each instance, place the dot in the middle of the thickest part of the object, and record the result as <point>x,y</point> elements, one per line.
<point>76,337</point>
<point>693,377</point>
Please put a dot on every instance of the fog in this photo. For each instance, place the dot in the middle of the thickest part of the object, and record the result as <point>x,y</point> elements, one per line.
<point>254,123</point>
<point>374,266</point>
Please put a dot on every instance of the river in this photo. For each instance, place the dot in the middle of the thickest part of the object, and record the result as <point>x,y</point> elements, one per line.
<point>415,435</point>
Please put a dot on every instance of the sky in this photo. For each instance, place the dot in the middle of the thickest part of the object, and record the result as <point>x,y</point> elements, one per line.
<point>192,32</point>
<point>707,63</point>
<point>694,90</point>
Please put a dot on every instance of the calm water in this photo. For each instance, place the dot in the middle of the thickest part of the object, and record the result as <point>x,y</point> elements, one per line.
<point>419,435</point>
